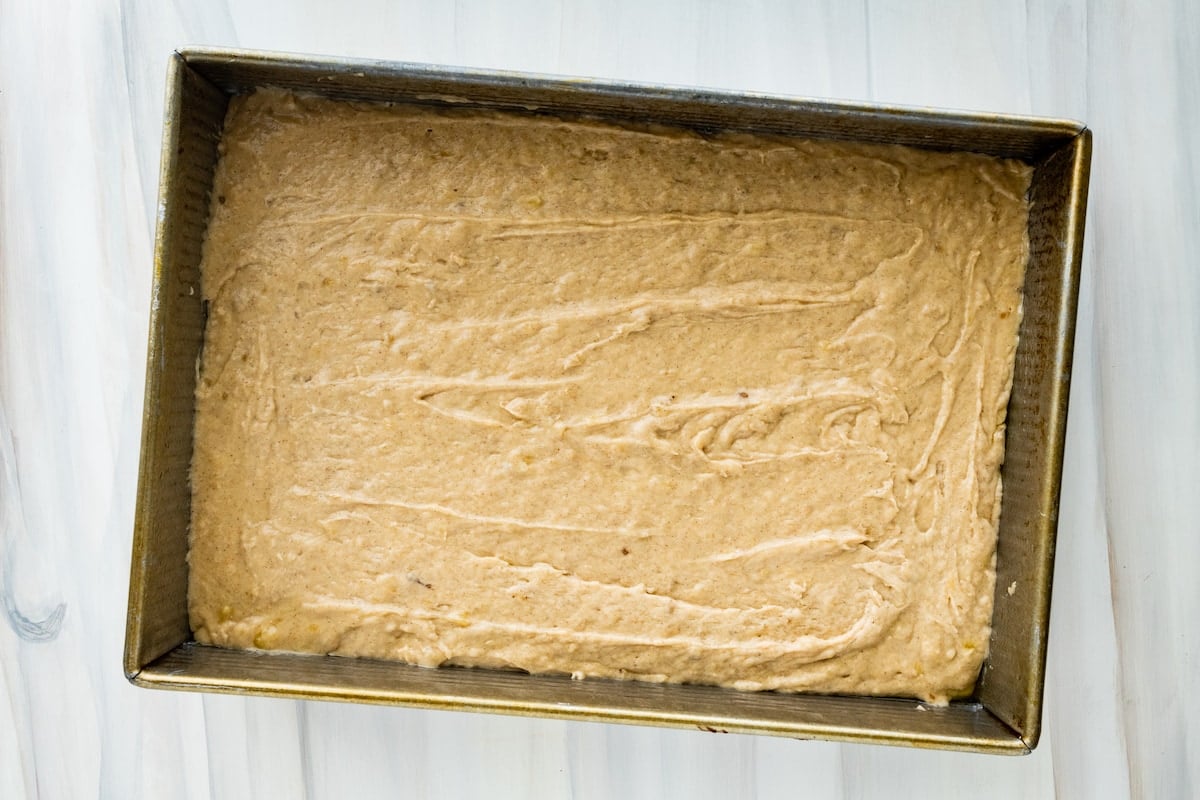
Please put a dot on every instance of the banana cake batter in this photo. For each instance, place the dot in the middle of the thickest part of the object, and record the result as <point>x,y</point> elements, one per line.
<point>514,391</point>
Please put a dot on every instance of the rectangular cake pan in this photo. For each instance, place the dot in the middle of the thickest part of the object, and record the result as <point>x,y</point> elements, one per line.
<point>1004,713</point>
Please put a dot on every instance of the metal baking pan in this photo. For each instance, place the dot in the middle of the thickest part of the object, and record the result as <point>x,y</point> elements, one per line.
<point>1004,713</point>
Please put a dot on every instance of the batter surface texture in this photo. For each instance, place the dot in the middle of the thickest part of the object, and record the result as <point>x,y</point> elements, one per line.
<point>513,391</point>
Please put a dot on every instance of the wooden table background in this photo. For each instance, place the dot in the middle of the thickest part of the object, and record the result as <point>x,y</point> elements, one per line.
<point>81,87</point>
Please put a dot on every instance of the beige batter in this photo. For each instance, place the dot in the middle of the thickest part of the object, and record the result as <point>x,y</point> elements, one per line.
<point>570,397</point>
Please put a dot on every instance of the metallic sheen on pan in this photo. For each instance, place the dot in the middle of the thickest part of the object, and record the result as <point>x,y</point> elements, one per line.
<point>1004,714</point>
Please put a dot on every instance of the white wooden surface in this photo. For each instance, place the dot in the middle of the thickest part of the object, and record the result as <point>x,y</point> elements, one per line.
<point>81,88</point>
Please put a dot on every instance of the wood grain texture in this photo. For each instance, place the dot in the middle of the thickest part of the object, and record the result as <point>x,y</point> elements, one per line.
<point>80,120</point>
